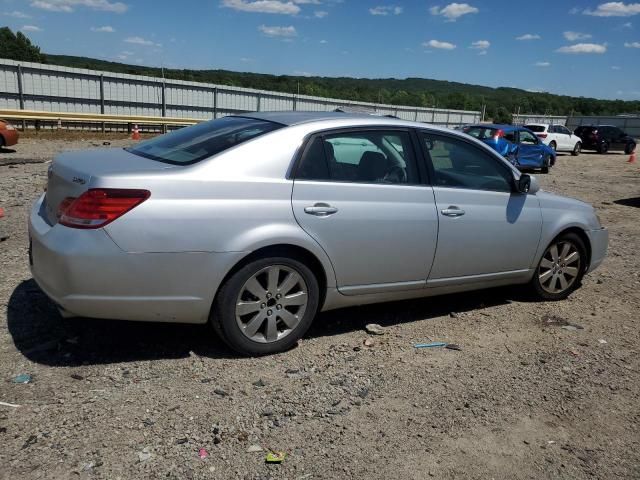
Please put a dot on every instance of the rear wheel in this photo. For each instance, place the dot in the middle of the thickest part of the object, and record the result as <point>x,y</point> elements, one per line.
<point>266,306</point>
<point>553,145</point>
<point>545,165</point>
<point>577,149</point>
<point>561,268</point>
<point>629,148</point>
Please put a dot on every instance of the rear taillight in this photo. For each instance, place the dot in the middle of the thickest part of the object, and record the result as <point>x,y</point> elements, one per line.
<point>97,207</point>
<point>498,134</point>
<point>541,135</point>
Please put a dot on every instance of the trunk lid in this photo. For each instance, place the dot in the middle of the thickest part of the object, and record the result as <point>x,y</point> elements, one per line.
<point>71,173</point>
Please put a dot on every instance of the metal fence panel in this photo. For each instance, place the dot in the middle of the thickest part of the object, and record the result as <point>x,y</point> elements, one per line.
<point>62,89</point>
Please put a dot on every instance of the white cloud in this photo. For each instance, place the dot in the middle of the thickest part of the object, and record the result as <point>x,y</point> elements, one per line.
<point>323,42</point>
<point>263,6</point>
<point>542,64</point>
<point>573,36</point>
<point>141,41</point>
<point>453,11</point>
<point>69,6</point>
<point>105,29</point>
<point>627,25</point>
<point>438,44</point>
<point>615,67</point>
<point>17,14</point>
<point>31,28</point>
<point>302,73</point>
<point>286,32</point>
<point>614,9</point>
<point>481,44</point>
<point>320,14</point>
<point>583,48</point>
<point>386,10</point>
<point>529,36</point>
<point>632,44</point>
<point>574,10</point>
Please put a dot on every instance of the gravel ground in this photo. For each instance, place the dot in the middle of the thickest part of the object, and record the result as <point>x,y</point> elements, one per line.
<point>524,398</point>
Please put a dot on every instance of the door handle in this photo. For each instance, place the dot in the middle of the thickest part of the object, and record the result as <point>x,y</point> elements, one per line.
<point>320,210</point>
<point>452,211</point>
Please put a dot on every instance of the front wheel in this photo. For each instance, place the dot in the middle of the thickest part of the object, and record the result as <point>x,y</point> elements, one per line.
<point>266,306</point>
<point>577,149</point>
<point>603,148</point>
<point>561,268</point>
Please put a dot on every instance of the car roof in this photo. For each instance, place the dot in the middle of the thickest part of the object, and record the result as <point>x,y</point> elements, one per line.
<point>497,126</point>
<point>296,118</point>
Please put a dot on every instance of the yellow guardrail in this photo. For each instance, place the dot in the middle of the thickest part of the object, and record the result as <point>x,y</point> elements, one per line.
<point>94,117</point>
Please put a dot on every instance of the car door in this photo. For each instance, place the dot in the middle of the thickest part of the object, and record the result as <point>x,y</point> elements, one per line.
<point>486,228</point>
<point>530,150</point>
<point>618,139</point>
<point>359,194</point>
<point>564,136</point>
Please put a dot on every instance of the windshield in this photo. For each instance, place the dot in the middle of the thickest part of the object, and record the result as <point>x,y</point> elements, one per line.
<point>192,144</point>
<point>535,128</point>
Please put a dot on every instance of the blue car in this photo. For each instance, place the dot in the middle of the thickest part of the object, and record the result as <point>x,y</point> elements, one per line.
<point>519,145</point>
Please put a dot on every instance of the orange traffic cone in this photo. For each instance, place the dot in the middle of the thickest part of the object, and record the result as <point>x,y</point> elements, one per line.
<point>632,157</point>
<point>1,212</point>
<point>136,133</point>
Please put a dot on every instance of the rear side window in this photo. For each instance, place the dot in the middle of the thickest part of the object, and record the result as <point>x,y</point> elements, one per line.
<point>360,157</point>
<point>537,128</point>
<point>480,132</point>
<point>192,144</point>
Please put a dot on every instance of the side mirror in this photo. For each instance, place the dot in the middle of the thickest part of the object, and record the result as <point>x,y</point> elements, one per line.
<point>527,184</point>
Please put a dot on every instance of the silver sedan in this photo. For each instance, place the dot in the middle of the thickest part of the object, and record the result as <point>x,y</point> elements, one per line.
<point>254,223</point>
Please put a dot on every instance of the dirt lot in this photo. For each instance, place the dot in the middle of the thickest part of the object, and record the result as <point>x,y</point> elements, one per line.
<point>524,398</point>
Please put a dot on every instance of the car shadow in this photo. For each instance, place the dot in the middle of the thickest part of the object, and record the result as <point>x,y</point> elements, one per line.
<point>7,150</point>
<point>43,336</point>
<point>628,202</point>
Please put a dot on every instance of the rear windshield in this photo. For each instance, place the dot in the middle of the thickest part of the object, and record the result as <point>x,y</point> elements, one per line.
<point>480,132</point>
<point>535,128</point>
<point>192,144</point>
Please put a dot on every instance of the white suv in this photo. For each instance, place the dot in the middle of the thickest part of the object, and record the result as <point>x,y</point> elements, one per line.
<point>557,137</point>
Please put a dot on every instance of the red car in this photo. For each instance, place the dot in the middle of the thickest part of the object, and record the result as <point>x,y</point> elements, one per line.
<point>8,134</point>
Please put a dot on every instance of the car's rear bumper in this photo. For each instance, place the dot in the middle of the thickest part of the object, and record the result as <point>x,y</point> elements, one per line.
<point>599,241</point>
<point>86,274</point>
<point>10,137</point>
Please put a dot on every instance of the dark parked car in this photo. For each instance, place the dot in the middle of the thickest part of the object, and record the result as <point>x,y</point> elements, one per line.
<point>603,138</point>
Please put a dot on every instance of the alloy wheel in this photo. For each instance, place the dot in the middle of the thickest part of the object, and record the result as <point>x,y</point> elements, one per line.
<point>559,267</point>
<point>271,303</point>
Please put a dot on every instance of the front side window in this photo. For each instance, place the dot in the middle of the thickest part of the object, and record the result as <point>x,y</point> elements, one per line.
<point>192,144</point>
<point>528,137</point>
<point>459,164</point>
<point>361,157</point>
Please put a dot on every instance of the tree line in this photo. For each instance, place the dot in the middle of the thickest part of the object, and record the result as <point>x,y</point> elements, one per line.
<point>499,103</point>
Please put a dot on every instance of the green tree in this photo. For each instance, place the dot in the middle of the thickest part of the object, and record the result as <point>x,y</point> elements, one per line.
<point>19,47</point>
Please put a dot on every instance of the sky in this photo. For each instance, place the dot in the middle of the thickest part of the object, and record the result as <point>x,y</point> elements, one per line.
<point>570,47</point>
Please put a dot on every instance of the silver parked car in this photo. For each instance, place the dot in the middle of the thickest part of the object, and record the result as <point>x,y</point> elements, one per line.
<point>254,223</point>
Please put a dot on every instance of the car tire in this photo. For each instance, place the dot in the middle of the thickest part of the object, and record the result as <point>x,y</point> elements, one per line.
<point>553,145</point>
<point>603,148</point>
<point>559,271</point>
<point>576,149</point>
<point>253,320</point>
<point>545,165</point>
<point>629,148</point>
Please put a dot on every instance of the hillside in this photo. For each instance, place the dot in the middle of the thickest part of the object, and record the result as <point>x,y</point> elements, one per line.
<point>500,102</point>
